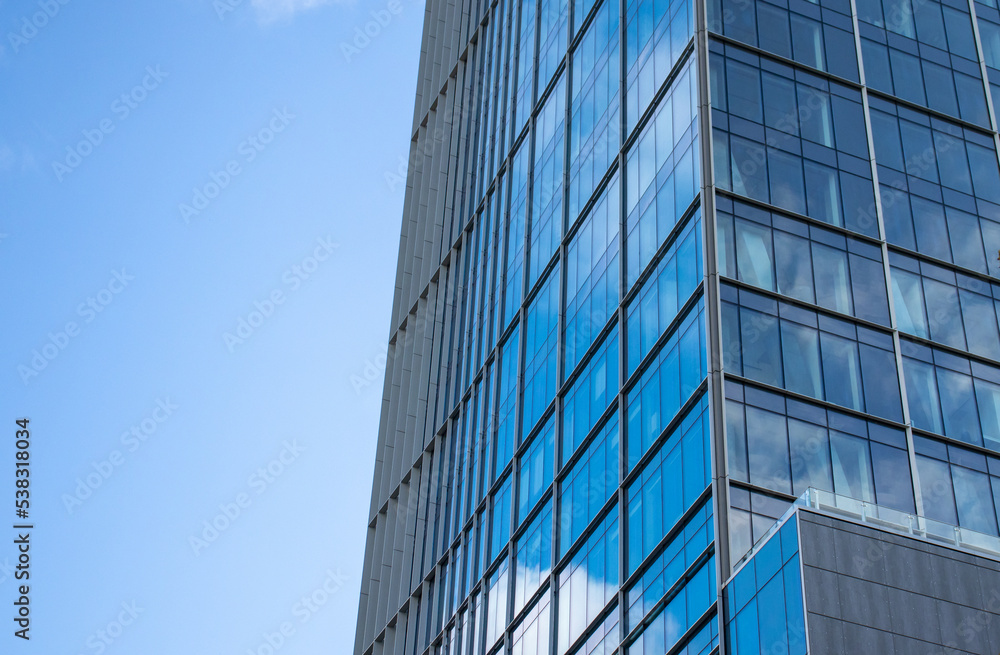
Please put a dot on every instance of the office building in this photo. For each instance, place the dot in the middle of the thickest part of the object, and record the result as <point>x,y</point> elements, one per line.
<point>694,344</point>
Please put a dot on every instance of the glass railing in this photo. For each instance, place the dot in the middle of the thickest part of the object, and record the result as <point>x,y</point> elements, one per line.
<point>885,518</point>
<point>903,522</point>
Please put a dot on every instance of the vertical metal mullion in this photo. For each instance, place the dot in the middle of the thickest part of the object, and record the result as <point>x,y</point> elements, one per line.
<point>522,327</point>
<point>622,332</point>
<point>560,338</point>
<point>713,321</point>
<point>887,272</point>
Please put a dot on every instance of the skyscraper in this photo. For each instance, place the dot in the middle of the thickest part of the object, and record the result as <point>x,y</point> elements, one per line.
<point>695,337</point>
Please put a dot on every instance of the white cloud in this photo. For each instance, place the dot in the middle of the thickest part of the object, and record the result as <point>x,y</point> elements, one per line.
<point>269,10</point>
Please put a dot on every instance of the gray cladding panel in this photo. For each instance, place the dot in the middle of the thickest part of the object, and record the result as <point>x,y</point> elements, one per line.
<point>869,591</point>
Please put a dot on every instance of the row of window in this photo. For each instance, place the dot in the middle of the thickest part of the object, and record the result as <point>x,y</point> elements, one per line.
<point>988,19</point>
<point>790,138</point>
<point>936,303</point>
<point>958,486</point>
<point>663,632</point>
<point>807,262</point>
<point>669,484</point>
<point>809,353</point>
<point>664,293</point>
<point>815,34</point>
<point>952,395</point>
<point>682,552</point>
<point>663,173</point>
<point>593,276</point>
<point>671,378</point>
<point>787,446</point>
<point>924,52</point>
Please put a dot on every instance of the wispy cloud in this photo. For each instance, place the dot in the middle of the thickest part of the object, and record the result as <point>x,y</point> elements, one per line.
<point>270,10</point>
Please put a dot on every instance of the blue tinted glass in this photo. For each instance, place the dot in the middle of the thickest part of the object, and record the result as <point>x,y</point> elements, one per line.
<point>540,340</point>
<point>537,465</point>
<point>507,405</point>
<point>532,558</point>
<point>656,34</point>
<point>958,406</point>
<point>668,485</point>
<point>761,347</point>
<point>592,277</point>
<point>592,481</point>
<point>662,174</point>
<point>767,444</point>
<point>595,136</point>
<point>501,519</point>
<point>588,582</point>
<point>590,395</point>
<point>841,371</point>
<point>936,490</point>
<point>663,294</point>
<point>662,389</point>
<point>547,183</point>
<point>516,221</point>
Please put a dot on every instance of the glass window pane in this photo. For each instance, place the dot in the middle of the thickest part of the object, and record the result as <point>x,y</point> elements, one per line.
<point>852,474</point>
<point>807,38</point>
<point>816,115</point>
<point>878,370</point>
<point>979,315</point>
<point>760,347</point>
<point>868,285</point>
<point>930,228</point>
<point>749,169</point>
<point>768,450</point>
<point>743,84</point>
<point>936,490</point>
<point>736,436</point>
<point>832,289</point>
<point>958,406</point>
<point>794,266</point>
<point>893,487</point>
<point>800,354</point>
<point>785,175</point>
<point>779,102</point>
<point>944,312</point>
<point>822,193</point>
<point>810,447</point>
<point>988,400</point>
<point>754,255</point>
<point>908,301</point>
<point>921,392</point>
<point>841,371</point>
<point>975,500</point>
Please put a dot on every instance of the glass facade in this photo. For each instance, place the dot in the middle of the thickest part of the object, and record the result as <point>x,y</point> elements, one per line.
<point>667,265</point>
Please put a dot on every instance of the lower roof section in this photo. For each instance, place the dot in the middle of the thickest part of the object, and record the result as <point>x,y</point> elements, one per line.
<point>840,579</point>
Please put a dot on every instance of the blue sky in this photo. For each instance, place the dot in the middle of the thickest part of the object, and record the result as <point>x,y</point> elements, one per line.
<point>198,248</point>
